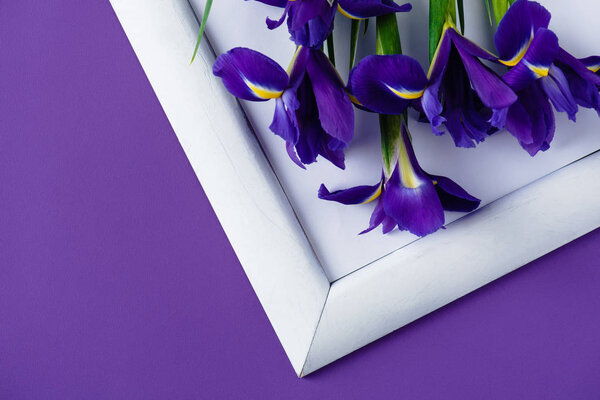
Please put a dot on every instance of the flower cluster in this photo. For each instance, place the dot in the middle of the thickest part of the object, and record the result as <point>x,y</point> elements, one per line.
<point>313,112</point>
<point>460,94</point>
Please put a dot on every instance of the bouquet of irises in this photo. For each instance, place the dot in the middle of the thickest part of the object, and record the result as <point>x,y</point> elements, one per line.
<point>460,94</point>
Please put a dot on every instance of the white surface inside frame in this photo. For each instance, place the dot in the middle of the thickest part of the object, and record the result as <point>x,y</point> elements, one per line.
<point>316,322</point>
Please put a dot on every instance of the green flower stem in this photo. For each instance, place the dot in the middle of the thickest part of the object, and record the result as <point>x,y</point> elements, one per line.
<point>388,43</point>
<point>498,8</point>
<point>440,12</point>
<point>331,49</point>
<point>354,31</point>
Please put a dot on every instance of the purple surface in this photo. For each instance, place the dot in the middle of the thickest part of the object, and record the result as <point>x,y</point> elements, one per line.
<point>117,281</point>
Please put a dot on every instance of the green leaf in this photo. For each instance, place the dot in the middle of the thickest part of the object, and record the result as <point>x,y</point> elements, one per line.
<point>355,28</point>
<point>387,35</point>
<point>366,26</point>
<point>500,8</point>
<point>461,15</point>
<point>202,26</point>
<point>440,12</point>
<point>489,11</point>
<point>331,49</point>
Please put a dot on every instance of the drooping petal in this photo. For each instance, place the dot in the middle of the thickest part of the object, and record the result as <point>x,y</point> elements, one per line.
<point>519,124</point>
<point>540,16</point>
<point>537,61</point>
<point>377,218</point>
<point>311,21</point>
<point>418,210</point>
<point>514,33</point>
<point>250,75</point>
<point>355,195</point>
<point>592,63</point>
<point>440,58</point>
<point>492,91</point>
<point>273,23</point>
<point>289,147</point>
<point>360,9</point>
<point>556,87</point>
<point>461,137</point>
<point>313,140</point>
<point>275,3</point>
<point>433,108</point>
<point>453,196</point>
<point>578,67</point>
<point>387,84</point>
<point>469,47</point>
<point>335,109</point>
<point>284,124</point>
<point>535,129</point>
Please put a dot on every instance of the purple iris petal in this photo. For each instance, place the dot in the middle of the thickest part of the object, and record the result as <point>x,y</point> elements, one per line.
<point>531,120</point>
<point>335,110</point>
<point>517,28</point>
<point>310,21</point>
<point>460,83</point>
<point>250,75</point>
<point>387,84</point>
<point>418,210</point>
<point>592,63</point>
<point>463,94</point>
<point>433,108</point>
<point>355,195</point>
<point>313,140</point>
<point>284,119</point>
<point>556,87</point>
<point>360,9</point>
<point>377,218</point>
<point>452,196</point>
<point>537,61</point>
<point>468,47</point>
<point>275,3</point>
<point>492,91</point>
<point>519,124</point>
<point>273,24</point>
<point>583,82</point>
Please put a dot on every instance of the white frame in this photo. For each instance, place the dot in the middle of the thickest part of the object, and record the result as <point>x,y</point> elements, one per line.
<point>317,321</point>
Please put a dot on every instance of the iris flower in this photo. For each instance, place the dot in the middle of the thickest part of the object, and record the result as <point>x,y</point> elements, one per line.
<point>461,92</point>
<point>407,197</point>
<point>542,73</point>
<point>310,22</point>
<point>313,113</point>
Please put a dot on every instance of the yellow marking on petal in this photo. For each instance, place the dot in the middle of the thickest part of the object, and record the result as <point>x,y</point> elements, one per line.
<point>594,68</point>
<point>375,195</point>
<point>262,92</point>
<point>354,99</point>
<point>346,13</point>
<point>408,175</point>
<point>539,70</point>
<point>294,57</point>
<point>406,94</point>
<point>516,59</point>
<point>447,25</point>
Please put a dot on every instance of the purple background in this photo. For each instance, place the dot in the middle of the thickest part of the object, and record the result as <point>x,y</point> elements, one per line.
<point>117,281</point>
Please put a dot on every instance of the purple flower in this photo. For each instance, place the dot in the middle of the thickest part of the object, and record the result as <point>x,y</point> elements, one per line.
<point>387,84</point>
<point>542,73</point>
<point>463,94</point>
<point>311,21</point>
<point>407,197</point>
<point>313,113</point>
<point>362,9</point>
